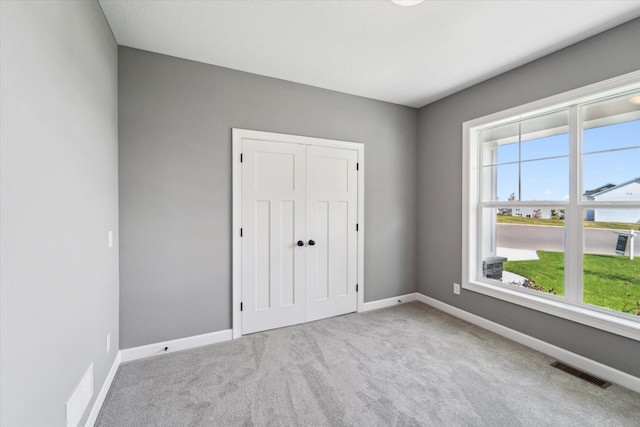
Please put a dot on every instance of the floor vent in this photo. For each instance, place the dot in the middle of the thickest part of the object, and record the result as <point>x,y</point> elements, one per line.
<point>578,373</point>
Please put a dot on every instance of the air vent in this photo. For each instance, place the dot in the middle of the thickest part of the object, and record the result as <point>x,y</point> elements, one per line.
<point>80,399</point>
<point>578,373</point>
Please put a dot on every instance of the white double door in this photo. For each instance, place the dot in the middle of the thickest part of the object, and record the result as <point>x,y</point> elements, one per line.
<point>299,236</point>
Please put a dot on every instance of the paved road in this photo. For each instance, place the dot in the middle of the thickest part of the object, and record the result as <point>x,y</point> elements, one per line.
<point>534,237</point>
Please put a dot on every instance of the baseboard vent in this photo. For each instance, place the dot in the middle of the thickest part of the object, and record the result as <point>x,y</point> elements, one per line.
<point>580,374</point>
<point>80,399</point>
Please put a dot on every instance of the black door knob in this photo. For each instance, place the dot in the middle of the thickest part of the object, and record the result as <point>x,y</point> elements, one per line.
<point>300,243</point>
<point>311,243</point>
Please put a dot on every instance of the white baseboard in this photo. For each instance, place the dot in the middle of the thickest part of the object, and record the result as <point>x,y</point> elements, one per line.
<point>388,302</point>
<point>156,349</point>
<point>144,351</point>
<point>596,368</point>
<point>573,359</point>
<point>97,405</point>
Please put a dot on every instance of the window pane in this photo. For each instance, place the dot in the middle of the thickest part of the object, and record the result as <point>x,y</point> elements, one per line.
<point>622,135</point>
<point>613,124</point>
<point>527,160</point>
<point>508,153</point>
<point>500,145</point>
<point>499,136</point>
<point>548,125</point>
<point>553,146</point>
<point>611,279</point>
<point>613,175</point>
<point>524,247</point>
<point>528,181</point>
<point>500,183</point>
<point>545,180</point>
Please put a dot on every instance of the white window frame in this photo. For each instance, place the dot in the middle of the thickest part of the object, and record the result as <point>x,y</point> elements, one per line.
<point>569,307</point>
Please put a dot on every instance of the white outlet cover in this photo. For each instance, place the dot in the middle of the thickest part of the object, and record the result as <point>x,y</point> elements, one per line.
<point>110,239</point>
<point>108,343</point>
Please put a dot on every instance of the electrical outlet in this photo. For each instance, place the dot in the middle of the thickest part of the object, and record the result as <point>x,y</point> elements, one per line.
<point>108,342</point>
<point>110,238</point>
<point>456,288</point>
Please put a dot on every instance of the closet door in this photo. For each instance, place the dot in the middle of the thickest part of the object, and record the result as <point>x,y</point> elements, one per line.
<point>273,221</point>
<point>332,215</point>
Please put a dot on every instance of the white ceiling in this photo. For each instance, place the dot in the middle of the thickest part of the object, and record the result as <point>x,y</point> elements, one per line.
<point>376,49</point>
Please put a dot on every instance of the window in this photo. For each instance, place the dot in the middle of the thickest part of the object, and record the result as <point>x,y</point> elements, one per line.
<point>551,205</point>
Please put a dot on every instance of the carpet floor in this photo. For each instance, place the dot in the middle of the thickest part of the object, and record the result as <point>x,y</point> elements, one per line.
<point>409,365</point>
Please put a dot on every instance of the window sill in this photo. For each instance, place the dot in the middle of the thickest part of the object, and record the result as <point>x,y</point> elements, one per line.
<point>606,322</point>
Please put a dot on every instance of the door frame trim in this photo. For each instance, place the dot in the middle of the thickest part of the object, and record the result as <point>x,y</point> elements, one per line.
<point>236,218</point>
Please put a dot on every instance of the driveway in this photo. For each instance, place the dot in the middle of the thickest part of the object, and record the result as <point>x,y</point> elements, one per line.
<point>535,237</point>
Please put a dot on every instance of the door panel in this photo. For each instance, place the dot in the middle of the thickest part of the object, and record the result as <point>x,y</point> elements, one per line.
<point>273,220</point>
<point>274,171</point>
<point>339,249</point>
<point>287,253</point>
<point>320,255</point>
<point>262,258</point>
<point>332,196</point>
<point>334,176</point>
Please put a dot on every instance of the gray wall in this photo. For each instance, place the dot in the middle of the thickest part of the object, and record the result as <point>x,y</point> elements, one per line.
<point>175,121</point>
<point>59,198</point>
<point>606,55</point>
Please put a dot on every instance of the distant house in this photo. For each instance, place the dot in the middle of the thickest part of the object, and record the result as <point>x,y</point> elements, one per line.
<point>590,193</point>
<point>629,190</point>
<point>544,213</point>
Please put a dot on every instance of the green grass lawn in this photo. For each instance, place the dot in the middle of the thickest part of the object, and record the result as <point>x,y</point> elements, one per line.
<point>609,281</point>
<point>506,219</point>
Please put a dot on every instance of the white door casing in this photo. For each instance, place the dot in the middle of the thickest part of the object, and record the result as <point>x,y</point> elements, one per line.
<point>290,188</point>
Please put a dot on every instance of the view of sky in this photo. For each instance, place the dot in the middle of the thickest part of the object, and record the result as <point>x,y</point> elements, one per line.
<point>548,179</point>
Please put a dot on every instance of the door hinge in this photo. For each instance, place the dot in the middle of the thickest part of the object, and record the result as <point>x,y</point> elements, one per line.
<point>240,157</point>
<point>356,287</point>
<point>241,232</point>
<point>357,166</point>
<point>240,306</point>
<point>357,227</point>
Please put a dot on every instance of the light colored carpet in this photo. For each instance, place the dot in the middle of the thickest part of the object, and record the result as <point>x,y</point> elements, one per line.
<point>409,365</point>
